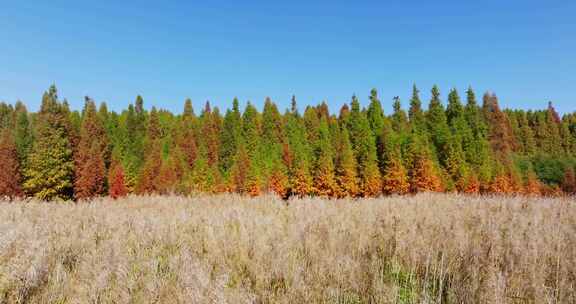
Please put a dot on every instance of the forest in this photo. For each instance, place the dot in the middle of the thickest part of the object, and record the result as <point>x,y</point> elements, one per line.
<point>463,144</point>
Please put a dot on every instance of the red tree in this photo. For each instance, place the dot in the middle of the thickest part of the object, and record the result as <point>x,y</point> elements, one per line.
<point>116,181</point>
<point>9,173</point>
<point>569,182</point>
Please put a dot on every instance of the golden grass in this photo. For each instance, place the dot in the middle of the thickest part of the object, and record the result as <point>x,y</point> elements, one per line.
<point>429,248</point>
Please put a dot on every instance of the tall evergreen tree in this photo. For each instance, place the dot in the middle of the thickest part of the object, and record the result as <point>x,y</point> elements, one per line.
<point>416,114</point>
<point>50,170</point>
<point>23,136</point>
<point>300,179</point>
<point>438,125</point>
<point>364,150</point>
<point>230,137</point>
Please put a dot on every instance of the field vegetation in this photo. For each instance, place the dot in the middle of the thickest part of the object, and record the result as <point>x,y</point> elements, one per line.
<point>427,248</point>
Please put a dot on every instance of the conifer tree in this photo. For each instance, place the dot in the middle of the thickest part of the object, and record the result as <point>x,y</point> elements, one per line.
<point>395,179</point>
<point>90,165</point>
<point>416,114</point>
<point>150,170</point>
<point>50,170</point>
<point>500,134</point>
<point>438,125</point>
<point>477,151</point>
<point>6,115</point>
<point>365,151</point>
<point>400,122</point>
<point>251,134</point>
<point>147,182</point>
<point>569,181</point>
<point>230,136</point>
<point>461,136</point>
<point>528,142</point>
<point>324,177</point>
<point>170,174</point>
<point>423,177</point>
<point>375,114</point>
<point>553,124</point>
<point>10,173</point>
<point>300,179</point>
<point>272,138</point>
<point>240,170</point>
<point>22,134</point>
<point>117,181</point>
<point>346,166</point>
<point>187,139</point>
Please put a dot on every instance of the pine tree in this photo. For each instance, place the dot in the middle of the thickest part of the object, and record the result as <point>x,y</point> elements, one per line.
<point>147,183</point>
<point>477,149</point>
<point>416,115</point>
<point>50,170</point>
<point>90,158</point>
<point>273,170</point>
<point>170,174</point>
<point>187,139</point>
<point>553,124</point>
<point>400,122</point>
<point>6,115</point>
<point>22,134</point>
<point>500,134</point>
<point>251,126</point>
<point>461,136</point>
<point>324,177</point>
<point>365,151</point>
<point>346,166</point>
<point>528,142</point>
<point>395,179</point>
<point>438,126</point>
<point>117,181</point>
<point>230,137</point>
<point>10,173</point>
<point>300,179</point>
<point>423,177</point>
<point>240,170</point>
<point>375,114</point>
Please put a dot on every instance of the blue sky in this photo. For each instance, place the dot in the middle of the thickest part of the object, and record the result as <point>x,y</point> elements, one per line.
<point>525,51</point>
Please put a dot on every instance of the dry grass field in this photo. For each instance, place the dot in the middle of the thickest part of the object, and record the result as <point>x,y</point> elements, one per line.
<point>429,248</point>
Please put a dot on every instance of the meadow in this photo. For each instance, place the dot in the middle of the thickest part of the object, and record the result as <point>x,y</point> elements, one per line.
<point>427,248</point>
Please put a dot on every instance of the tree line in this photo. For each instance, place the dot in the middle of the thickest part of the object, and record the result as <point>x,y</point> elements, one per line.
<point>463,146</point>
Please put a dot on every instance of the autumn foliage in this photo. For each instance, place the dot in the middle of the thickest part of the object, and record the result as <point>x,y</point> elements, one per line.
<point>10,173</point>
<point>117,183</point>
<point>361,151</point>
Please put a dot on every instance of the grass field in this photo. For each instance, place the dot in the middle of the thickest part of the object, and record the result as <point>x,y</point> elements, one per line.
<point>430,248</point>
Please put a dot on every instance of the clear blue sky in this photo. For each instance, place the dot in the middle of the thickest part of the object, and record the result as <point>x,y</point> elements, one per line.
<point>166,51</point>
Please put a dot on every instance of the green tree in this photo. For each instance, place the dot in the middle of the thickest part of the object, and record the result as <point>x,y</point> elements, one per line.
<point>364,150</point>
<point>230,137</point>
